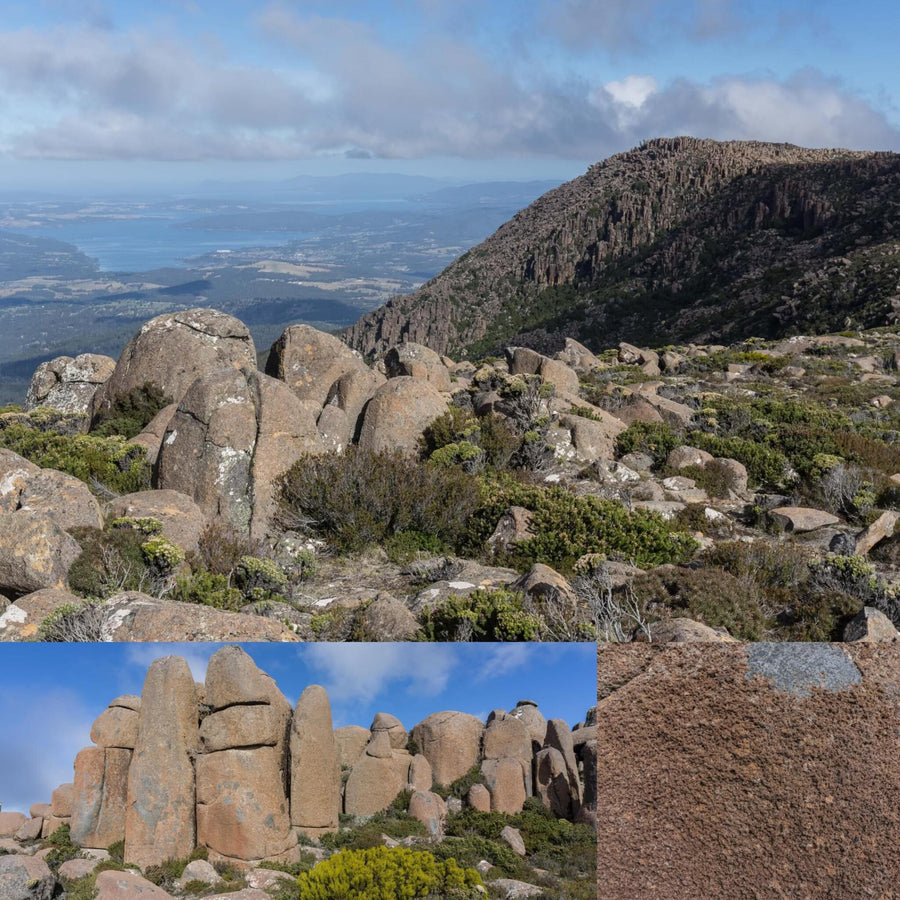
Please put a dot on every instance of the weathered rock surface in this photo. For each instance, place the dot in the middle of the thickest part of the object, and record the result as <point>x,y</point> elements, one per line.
<point>234,433</point>
<point>25,878</point>
<point>398,414</point>
<point>429,809</point>
<point>315,765</point>
<point>680,630</point>
<point>505,779</point>
<point>100,796</point>
<point>35,553</point>
<point>68,384</point>
<point>310,362</point>
<point>350,741</point>
<point>116,726</point>
<point>393,727</point>
<point>350,394</point>
<point>113,885</point>
<point>417,361</point>
<point>63,498</point>
<point>160,820</point>
<point>374,782</point>
<point>172,350</point>
<point>138,617</point>
<point>21,620</point>
<point>11,822</point>
<point>800,518</point>
<point>451,742</point>
<point>870,626</point>
<point>710,743</point>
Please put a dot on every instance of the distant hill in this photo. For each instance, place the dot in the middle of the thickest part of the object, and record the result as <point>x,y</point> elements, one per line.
<point>680,239</point>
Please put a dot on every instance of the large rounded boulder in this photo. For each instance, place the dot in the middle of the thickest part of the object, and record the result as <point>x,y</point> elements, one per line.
<point>234,433</point>
<point>398,414</point>
<point>171,350</point>
<point>310,362</point>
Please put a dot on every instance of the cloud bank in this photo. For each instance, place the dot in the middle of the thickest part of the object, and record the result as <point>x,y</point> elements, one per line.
<point>333,86</point>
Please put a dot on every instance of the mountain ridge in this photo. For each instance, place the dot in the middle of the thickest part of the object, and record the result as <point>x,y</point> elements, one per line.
<point>678,239</point>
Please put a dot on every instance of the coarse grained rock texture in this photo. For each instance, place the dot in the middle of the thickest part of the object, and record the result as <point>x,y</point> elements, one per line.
<point>171,350</point>
<point>398,414</point>
<point>100,796</point>
<point>68,385</point>
<point>748,771</point>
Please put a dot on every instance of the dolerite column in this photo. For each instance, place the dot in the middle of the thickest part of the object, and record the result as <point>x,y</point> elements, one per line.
<point>101,776</point>
<point>160,821</point>
<point>315,770</point>
<point>242,807</point>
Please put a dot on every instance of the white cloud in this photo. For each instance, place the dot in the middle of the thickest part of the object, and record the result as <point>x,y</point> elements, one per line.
<point>505,658</point>
<point>338,87</point>
<point>360,672</point>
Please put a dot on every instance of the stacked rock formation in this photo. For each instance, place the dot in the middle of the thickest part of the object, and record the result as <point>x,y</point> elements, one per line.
<point>228,765</point>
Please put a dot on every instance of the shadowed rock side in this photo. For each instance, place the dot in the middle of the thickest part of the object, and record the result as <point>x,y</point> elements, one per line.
<point>678,239</point>
<point>227,765</point>
<point>748,771</point>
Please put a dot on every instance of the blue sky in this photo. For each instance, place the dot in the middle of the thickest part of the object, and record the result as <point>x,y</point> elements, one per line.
<point>182,89</point>
<point>50,694</point>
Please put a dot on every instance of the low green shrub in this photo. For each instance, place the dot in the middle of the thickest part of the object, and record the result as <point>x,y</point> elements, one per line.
<point>710,595</point>
<point>110,462</point>
<point>209,589</point>
<point>765,465</point>
<point>656,439</point>
<point>568,527</point>
<point>460,787</point>
<point>359,498</point>
<point>381,873</point>
<point>114,560</point>
<point>130,414</point>
<point>483,615</point>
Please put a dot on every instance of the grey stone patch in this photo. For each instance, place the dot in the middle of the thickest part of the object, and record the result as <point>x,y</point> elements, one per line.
<point>798,668</point>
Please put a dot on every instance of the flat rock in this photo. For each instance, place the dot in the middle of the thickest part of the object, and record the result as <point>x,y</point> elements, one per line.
<point>113,885</point>
<point>21,620</point>
<point>801,518</point>
<point>138,617</point>
<point>682,630</point>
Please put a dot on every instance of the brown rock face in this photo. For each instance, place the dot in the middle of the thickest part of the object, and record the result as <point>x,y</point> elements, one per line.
<point>350,394</point>
<point>116,726</point>
<point>61,801</point>
<point>67,384</point>
<point>242,811</point>
<point>759,770</point>
<point>315,769</point>
<point>309,362</point>
<point>451,742</point>
<point>181,519</point>
<point>417,361</point>
<point>233,434</point>
<point>171,350</point>
<point>64,498</point>
<point>374,782</point>
<point>11,822</point>
<point>25,878</point>
<point>533,720</point>
<point>151,437</point>
<point>35,553</point>
<point>112,885</point>
<point>398,414</point>
<point>160,822</point>
<point>21,620</point>
<point>393,726</point>
<point>429,809</point>
<point>479,797</point>
<point>552,782</point>
<point>505,779</point>
<point>508,737</point>
<point>100,797</point>
<point>242,806</point>
<point>350,741</point>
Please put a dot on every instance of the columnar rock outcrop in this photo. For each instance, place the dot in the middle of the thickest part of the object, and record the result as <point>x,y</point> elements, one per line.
<point>228,765</point>
<point>242,806</point>
<point>315,767</point>
<point>160,819</point>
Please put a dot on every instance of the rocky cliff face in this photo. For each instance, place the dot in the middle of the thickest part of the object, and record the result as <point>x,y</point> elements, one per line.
<point>678,239</point>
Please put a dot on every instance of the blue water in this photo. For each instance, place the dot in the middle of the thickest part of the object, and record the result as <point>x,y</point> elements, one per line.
<point>137,245</point>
